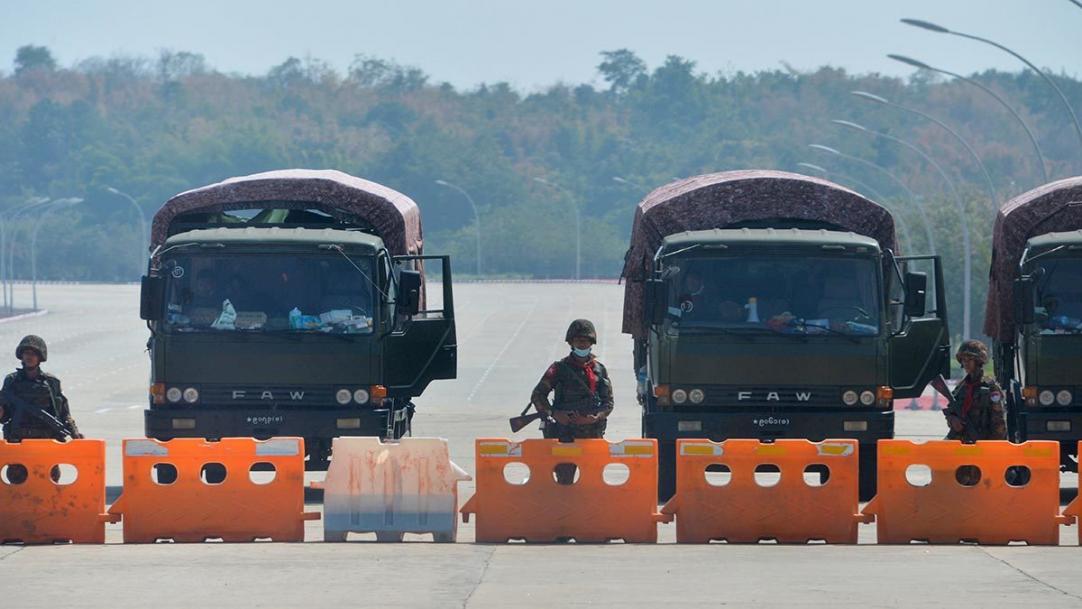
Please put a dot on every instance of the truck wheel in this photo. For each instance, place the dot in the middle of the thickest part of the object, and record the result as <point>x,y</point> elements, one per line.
<point>869,460</point>
<point>666,471</point>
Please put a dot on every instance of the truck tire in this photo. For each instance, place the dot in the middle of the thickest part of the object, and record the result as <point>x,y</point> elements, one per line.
<point>666,471</point>
<point>869,460</point>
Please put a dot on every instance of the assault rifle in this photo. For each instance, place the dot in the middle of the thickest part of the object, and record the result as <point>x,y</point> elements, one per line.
<point>953,409</point>
<point>593,406</point>
<point>20,408</point>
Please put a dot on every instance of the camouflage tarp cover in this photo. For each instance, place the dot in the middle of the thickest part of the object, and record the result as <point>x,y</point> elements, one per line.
<point>1045,209</point>
<point>395,216</point>
<point>720,200</point>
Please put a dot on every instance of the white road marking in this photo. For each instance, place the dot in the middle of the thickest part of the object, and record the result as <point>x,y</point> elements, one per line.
<point>135,407</point>
<point>102,410</point>
<point>499,356</point>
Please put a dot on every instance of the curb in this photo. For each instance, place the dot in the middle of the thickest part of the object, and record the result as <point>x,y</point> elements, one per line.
<point>38,313</point>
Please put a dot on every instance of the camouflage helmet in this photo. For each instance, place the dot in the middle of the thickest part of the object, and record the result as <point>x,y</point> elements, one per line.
<point>582,327</point>
<point>974,349</point>
<point>36,343</point>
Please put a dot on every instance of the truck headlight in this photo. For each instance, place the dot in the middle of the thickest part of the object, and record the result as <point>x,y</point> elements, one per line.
<point>1064,398</point>
<point>191,395</point>
<point>173,395</point>
<point>696,396</point>
<point>849,398</point>
<point>361,396</point>
<point>1046,398</point>
<point>679,396</point>
<point>867,398</point>
<point>343,396</point>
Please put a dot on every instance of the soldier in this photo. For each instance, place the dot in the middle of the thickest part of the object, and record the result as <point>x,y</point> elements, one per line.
<point>981,402</point>
<point>583,397</point>
<point>35,388</point>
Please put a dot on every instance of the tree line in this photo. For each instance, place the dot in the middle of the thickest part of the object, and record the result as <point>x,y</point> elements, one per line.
<point>149,127</point>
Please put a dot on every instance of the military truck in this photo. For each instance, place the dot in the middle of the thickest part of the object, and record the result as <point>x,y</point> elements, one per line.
<point>1034,314</point>
<point>292,303</point>
<point>769,305</point>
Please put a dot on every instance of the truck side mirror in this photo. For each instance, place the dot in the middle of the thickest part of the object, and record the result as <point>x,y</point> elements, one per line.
<point>916,294</point>
<point>409,292</point>
<point>656,299</point>
<point>151,295</point>
<point>1023,300</point>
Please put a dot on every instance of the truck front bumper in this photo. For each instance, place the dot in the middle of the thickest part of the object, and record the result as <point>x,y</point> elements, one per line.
<point>166,423</point>
<point>1064,426</point>
<point>863,426</point>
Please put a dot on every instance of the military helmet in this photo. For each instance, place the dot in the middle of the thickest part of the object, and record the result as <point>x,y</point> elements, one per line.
<point>974,349</point>
<point>582,327</point>
<point>36,343</point>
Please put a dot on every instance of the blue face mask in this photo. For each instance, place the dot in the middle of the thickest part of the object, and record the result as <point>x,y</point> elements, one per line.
<point>581,352</point>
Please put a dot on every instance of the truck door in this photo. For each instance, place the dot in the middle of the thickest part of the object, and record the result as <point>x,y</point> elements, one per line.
<point>422,346</point>
<point>920,341</point>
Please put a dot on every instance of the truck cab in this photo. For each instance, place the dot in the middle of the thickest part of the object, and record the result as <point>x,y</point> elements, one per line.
<point>773,328</point>
<point>271,320</point>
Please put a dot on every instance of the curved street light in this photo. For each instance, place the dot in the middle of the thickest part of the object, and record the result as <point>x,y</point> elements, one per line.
<point>476,216</point>
<point>627,182</point>
<point>141,256</point>
<point>5,230</point>
<point>967,247</point>
<point>932,27</point>
<point>886,102</point>
<point>912,196</point>
<point>578,222</point>
<point>838,176</point>
<point>920,65</point>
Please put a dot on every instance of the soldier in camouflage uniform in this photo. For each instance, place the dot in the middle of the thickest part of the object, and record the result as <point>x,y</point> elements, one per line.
<point>37,388</point>
<point>583,394</point>
<point>981,401</point>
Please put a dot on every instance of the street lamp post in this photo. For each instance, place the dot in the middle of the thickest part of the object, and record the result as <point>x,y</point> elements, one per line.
<point>476,216</point>
<point>627,182</point>
<point>34,242</point>
<point>886,102</point>
<point>578,224</point>
<point>963,217</point>
<point>912,196</point>
<point>5,265</point>
<point>932,27</point>
<point>920,65</point>
<point>142,218</point>
<point>838,176</point>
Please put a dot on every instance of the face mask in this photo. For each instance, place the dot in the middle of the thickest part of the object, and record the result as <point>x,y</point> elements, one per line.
<point>581,352</point>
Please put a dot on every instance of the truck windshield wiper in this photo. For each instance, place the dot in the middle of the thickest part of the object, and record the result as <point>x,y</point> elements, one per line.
<point>800,323</point>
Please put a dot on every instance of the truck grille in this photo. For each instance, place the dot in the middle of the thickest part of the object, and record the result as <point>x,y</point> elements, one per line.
<point>766,397</point>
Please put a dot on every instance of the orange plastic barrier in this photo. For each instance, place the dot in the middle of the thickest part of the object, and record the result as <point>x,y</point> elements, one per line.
<point>189,501</point>
<point>36,509</point>
<point>991,492</point>
<point>718,495</point>
<point>1073,512</point>
<point>596,507</point>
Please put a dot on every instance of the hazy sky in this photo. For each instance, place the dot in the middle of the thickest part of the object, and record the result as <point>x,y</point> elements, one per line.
<point>530,44</point>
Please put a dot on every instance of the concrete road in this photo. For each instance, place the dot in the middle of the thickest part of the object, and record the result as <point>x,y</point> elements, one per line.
<point>508,334</point>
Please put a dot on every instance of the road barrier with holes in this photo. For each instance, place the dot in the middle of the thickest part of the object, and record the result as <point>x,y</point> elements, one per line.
<point>52,491</point>
<point>191,490</point>
<point>409,486</point>
<point>990,492</point>
<point>607,491</point>
<point>1073,511</point>
<point>744,491</point>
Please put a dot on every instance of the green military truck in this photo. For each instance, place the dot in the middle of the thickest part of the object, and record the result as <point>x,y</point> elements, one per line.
<point>772,305</point>
<point>1034,314</point>
<point>292,303</point>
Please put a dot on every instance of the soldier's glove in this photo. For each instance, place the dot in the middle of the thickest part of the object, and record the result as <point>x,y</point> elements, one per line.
<point>78,436</point>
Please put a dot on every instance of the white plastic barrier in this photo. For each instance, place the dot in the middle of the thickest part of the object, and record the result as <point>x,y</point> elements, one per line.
<point>409,486</point>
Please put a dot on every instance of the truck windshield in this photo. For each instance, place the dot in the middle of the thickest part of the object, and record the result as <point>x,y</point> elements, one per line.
<point>1059,294</point>
<point>782,294</point>
<point>268,293</point>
